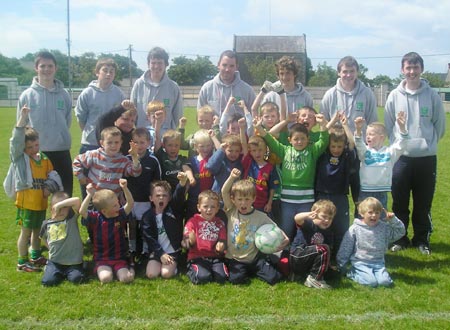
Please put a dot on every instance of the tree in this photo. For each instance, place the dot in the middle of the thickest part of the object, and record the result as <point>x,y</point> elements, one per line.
<point>434,79</point>
<point>189,72</point>
<point>362,75</point>
<point>382,79</point>
<point>260,69</point>
<point>324,76</point>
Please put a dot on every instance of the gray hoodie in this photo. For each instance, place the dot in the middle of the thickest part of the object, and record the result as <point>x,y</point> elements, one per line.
<point>167,91</point>
<point>425,118</point>
<point>216,94</point>
<point>50,115</point>
<point>360,102</point>
<point>296,99</point>
<point>92,103</point>
<point>368,244</point>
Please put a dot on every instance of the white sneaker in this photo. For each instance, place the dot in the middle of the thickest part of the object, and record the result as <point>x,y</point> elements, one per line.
<point>311,282</point>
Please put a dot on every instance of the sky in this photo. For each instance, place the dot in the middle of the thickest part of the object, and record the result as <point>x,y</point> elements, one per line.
<point>376,32</point>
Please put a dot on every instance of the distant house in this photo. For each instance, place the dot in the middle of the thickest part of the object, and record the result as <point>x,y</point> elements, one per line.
<point>271,48</point>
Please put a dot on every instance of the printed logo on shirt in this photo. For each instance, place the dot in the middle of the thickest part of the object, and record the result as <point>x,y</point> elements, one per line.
<point>359,106</point>
<point>299,105</point>
<point>57,231</point>
<point>166,102</point>
<point>424,112</point>
<point>238,98</point>
<point>60,104</point>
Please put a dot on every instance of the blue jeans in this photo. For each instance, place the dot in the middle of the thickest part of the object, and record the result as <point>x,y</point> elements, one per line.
<point>55,273</point>
<point>372,274</point>
<point>288,212</point>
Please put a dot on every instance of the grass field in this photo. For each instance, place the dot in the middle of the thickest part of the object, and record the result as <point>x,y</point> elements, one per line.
<point>419,299</point>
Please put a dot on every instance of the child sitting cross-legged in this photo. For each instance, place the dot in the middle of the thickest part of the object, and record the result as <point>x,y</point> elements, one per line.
<point>205,236</point>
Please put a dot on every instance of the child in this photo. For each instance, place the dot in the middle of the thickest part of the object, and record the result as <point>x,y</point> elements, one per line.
<point>334,168</point>
<point>377,160</point>
<point>162,227</point>
<point>229,120</point>
<point>153,108</point>
<point>99,97</point>
<point>108,226</point>
<point>366,242</point>
<point>30,169</point>
<point>168,154</point>
<point>205,121</point>
<point>62,237</point>
<point>262,173</point>
<point>205,236</point>
<point>51,115</point>
<point>297,171</point>
<point>140,186</point>
<point>243,258</point>
<point>106,164</point>
<point>203,146</point>
<point>311,248</point>
<point>224,159</point>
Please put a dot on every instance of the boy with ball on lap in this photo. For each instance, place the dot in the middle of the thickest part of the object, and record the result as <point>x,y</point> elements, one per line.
<point>243,257</point>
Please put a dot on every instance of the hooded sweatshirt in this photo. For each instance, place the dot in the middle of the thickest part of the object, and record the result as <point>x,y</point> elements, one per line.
<point>360,102</point>
<point>92,102</point>
<point>425,118</point>
<point>50,115</point>
<point>295,99</point>
<point>166,91</point>
<point>216,94</point>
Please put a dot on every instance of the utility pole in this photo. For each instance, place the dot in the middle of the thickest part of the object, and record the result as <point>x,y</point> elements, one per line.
<point>130,49</point>
<point>68,49</point>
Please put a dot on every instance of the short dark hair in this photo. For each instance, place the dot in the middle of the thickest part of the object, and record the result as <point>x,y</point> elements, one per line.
<point>298,128</point>
<point>287,63</point>
<point>348,61</point>
<point>413,58</point>
<point>230,54</point>
<point>159,53</point>
<point>44,55</point>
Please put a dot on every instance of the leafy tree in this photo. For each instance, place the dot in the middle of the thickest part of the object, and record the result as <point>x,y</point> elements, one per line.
<point>434,79</point>
<point>362,75</point>
<point>260,69</point>
<point>382,79</point>
<point>189,72</point>
<point>324,76</point>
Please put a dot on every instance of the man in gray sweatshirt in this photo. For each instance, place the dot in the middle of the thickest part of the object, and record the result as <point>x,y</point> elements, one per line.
<point>415,172</point>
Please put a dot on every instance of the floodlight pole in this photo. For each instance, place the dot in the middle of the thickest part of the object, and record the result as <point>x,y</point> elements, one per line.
<point>69,71</point>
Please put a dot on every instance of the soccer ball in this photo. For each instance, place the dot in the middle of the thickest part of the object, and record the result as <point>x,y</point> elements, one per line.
<point>268,238</point>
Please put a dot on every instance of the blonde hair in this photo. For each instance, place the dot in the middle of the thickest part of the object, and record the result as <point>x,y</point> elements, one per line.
<point>171,134</point>
<point>58,196</point>
<point>232,140</point>
<point>325,206</point>
<point>110,131</point>
<point>102,198</point>
<point>154,106</point>
<point>206,109</point>
<point>201,136</point>
<point>208,194</point>
<point>243,188</point>
<point>370,203</point>
<point>379,127</point>
<point>269,107</point>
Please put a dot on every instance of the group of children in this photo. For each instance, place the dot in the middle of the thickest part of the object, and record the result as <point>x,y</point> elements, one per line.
<point>269,165</point>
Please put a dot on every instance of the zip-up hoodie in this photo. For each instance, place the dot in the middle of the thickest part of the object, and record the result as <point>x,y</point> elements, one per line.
<point>295,99</point>
<point>216,94</point>
<point>425,118</point>
<point>360,102</point>
<point>167,91</point>
<point>93,102</point>
<point>50,115</point>
<point>368,244</point>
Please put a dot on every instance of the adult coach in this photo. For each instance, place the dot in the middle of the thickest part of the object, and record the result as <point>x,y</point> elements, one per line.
<point>50,115</point>
<point>217,91</point>
<point>154,84</point>
<point>415,172</point>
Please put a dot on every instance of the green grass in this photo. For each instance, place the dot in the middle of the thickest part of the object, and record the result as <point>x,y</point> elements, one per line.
<point>419,298</point>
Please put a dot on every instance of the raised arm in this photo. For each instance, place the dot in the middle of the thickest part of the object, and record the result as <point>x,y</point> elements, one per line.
<point>90,191</point>
<point>129,198</point>
<point>226,188</point>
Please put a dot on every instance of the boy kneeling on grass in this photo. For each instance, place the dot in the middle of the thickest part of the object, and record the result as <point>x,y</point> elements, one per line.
<point>108,226</point>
